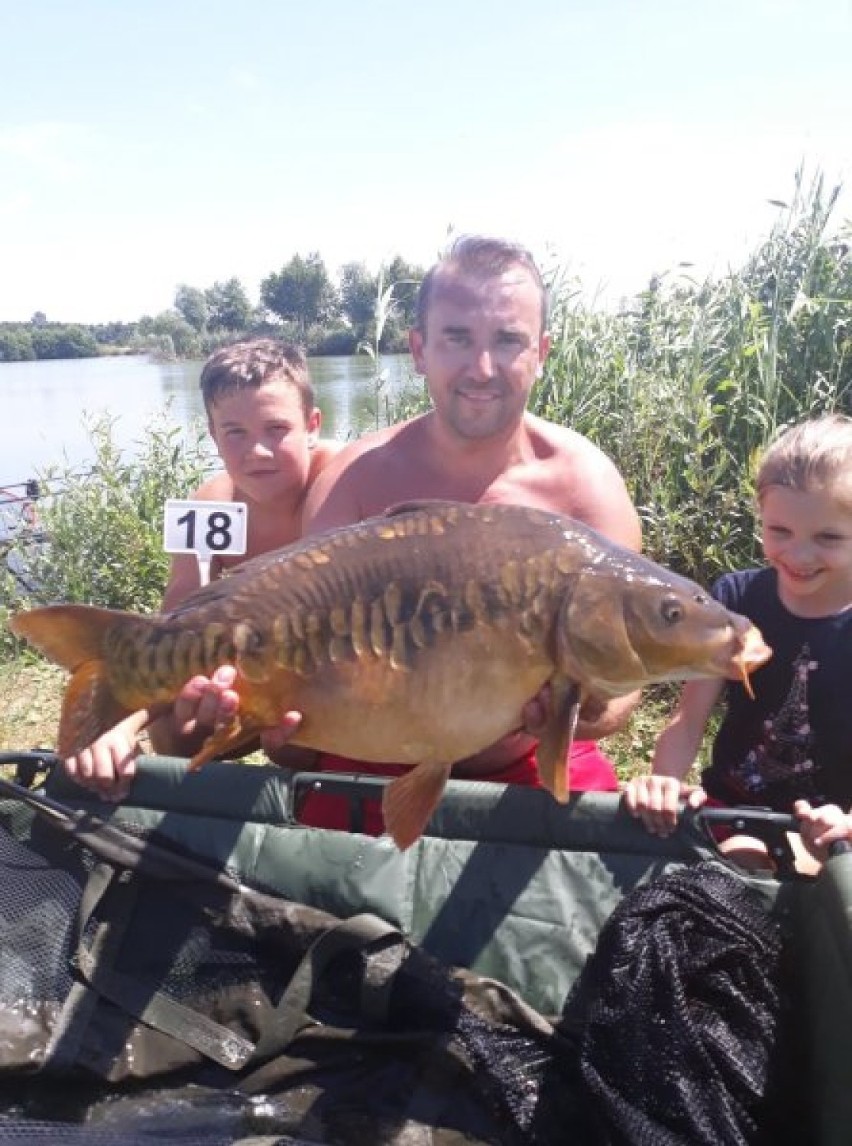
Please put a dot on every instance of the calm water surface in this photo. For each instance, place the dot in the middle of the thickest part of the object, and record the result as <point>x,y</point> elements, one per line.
<point>44,406</point>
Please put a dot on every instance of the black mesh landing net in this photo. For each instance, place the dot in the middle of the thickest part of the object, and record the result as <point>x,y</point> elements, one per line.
<point>351,1036</point>
<point>683,1030</point>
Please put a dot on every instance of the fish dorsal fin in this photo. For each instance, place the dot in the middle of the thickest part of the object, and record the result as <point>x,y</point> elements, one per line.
<point>557,734</point>
<point>410,800</point>
<point>422,503</point>
<point>89,708</point>
<point>70,635</point>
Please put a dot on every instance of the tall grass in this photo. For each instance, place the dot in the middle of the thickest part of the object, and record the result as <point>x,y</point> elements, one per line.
<point>683,389</point>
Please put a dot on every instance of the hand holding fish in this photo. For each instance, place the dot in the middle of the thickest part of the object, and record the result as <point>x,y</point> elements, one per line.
<point>205,703</point>
<point>108,765</point>
<point>597,717</point>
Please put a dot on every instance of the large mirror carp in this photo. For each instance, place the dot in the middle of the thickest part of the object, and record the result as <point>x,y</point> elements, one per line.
<point>415,637</point>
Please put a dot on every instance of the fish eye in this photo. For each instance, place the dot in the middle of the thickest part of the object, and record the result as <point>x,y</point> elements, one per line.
<point>671,610</point>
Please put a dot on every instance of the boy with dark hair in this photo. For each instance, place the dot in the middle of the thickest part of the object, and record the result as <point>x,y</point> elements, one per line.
<point>265,425</point>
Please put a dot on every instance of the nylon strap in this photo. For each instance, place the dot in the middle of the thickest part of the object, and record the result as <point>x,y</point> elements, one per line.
<point>354,934</point>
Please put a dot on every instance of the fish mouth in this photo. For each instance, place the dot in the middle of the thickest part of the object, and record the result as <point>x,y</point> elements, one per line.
<point>753,653</point>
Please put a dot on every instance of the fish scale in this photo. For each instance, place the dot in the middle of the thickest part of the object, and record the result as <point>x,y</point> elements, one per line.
<point>412,638</point>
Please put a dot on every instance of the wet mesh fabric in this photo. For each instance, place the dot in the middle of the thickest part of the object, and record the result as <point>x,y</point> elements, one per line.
<point>679,1013</point>
<point>165,1001</point>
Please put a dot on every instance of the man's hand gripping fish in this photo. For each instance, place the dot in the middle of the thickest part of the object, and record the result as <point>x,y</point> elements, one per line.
<point>415,637</point>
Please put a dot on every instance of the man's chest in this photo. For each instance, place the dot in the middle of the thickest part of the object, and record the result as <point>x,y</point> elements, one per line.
<point>533,485</point>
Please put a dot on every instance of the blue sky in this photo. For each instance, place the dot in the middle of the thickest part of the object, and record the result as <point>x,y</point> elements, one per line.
<point>152,144</point>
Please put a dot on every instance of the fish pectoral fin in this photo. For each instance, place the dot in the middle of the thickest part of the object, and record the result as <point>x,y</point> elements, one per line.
<point>226,738</point>
<point>557,734</point>
<point>89,709</point>
<point>410,800</point>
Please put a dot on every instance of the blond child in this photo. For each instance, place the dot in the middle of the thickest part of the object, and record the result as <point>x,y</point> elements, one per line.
<point>789,749</point>
<point>265,424</point>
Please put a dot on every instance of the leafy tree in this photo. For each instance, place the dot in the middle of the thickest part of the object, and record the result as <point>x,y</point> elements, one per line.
<point>358,297</point>
<point>184,338</point>
<point>228,307</point>
<point>114,333</point>
<point>405,278</point>
<point>191,304</point>
<point>16,345</point>
<point>56,341</point>
<point>301,292</point>
<point>39,318</point>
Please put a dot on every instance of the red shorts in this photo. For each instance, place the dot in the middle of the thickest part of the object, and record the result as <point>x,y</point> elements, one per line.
<point>588,770</point>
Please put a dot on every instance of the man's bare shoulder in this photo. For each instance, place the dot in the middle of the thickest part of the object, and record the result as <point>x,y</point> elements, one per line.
<point>358,477</point>
<point>376,442</point>
<point>579,479</point>
<point>322,454</point>
<point>549,439</point>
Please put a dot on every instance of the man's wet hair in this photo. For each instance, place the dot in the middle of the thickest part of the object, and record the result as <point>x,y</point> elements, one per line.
<point>480,256</point>
<point>248,364</point>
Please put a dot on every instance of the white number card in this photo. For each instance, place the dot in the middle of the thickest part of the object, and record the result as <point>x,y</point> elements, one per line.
<point>205,527</point>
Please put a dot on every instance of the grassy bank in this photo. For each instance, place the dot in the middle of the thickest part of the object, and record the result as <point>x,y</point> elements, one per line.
<point>29,714</point>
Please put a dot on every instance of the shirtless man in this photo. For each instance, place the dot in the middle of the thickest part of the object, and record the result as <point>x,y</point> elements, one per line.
<point>480,340</point>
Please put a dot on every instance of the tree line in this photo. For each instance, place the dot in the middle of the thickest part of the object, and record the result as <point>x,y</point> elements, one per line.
<point>300,302</point>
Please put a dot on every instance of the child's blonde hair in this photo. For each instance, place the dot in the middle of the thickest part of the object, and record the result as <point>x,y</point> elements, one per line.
<point>812,455</point>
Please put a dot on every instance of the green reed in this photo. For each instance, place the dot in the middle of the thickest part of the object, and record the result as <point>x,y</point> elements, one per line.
<point>685,387</point>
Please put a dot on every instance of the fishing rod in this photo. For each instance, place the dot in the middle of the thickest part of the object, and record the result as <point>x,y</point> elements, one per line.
<point>32,490</point>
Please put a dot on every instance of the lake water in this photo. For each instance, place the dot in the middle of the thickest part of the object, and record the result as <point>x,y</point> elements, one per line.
<point>45,405</point>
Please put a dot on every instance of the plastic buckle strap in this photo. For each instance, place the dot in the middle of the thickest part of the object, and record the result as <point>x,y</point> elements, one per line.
<point>157,1010</point>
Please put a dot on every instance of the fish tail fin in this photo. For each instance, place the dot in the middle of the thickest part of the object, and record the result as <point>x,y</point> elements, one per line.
<point>89,708</point>
<point>557,735</point>
<point>410,800</point>
<point>72,636</point>
<point>69,635</point>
